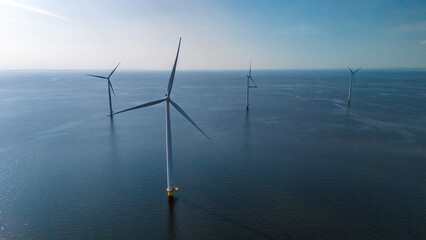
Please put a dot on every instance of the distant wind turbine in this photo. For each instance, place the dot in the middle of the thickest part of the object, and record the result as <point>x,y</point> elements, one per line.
<point>109,87</point>
<point>350,83</point>
<point>170,186</point>
<point>248,85</point>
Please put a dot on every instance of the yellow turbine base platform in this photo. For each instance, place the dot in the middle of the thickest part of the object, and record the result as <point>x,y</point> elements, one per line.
<point>247,106</point>
<point>349,100</point>
<point>171,191</point>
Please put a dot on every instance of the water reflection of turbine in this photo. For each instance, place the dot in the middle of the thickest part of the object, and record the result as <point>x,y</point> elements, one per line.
<point>113,148</point>
<point>348,111</point>
<point>172,233</point>
<point>112,126</point>
<point>247,134</point>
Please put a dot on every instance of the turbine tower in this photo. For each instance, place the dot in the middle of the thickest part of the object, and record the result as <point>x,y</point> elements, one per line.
<point>170,185</point>
<point>350,83</point>
<point>109,87</point>
<point>248,85</point>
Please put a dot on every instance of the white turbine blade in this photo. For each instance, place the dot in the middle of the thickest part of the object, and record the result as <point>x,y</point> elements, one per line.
<point>142,106</point>
<point>250,69</point>
<point>187,117</point>
<point>253,81</point>
<point>172,76</point>
<point>96,76</point>
<point>114,70</point>
<point>109,83</point>
<point>357,70</point>
<point>351,71</point>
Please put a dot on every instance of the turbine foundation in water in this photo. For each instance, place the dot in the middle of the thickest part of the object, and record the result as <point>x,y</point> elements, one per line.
<point>171,191</point>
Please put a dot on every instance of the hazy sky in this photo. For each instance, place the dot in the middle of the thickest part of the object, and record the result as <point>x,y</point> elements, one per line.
<point>97,34</point>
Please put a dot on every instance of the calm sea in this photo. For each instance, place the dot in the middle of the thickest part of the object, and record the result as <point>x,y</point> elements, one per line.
<point>300,164</point>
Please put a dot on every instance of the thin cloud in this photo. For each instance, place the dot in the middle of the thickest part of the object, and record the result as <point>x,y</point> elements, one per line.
<point>300,30</point>
<point>423,42</point>
<point>33,9</point>
<point>415,27</point>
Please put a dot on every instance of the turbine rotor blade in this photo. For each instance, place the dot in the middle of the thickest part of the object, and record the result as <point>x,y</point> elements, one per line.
<point>141,106</point>
<point>187,117</point>
<point>109,83</point>
<point>172,75</point>
<point>96,76</point>
<point>357,70</point>
<point>253,81</point>
<point>351,71</point>
<point>250,69</point>
<point>114,70</point>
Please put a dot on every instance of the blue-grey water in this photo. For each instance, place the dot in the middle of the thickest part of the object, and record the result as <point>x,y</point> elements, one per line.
<point>300,164</point>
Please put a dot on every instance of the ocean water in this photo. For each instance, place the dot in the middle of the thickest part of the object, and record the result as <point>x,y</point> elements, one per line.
<point>299,164</point>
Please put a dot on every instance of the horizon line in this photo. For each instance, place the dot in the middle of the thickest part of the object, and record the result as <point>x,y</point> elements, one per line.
<point>257,69</point>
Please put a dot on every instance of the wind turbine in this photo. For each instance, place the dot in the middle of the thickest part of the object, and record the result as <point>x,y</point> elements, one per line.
<point>170,186</point>
<point>248,85</point>
<point>350,83</point>
<point>109,87</point>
